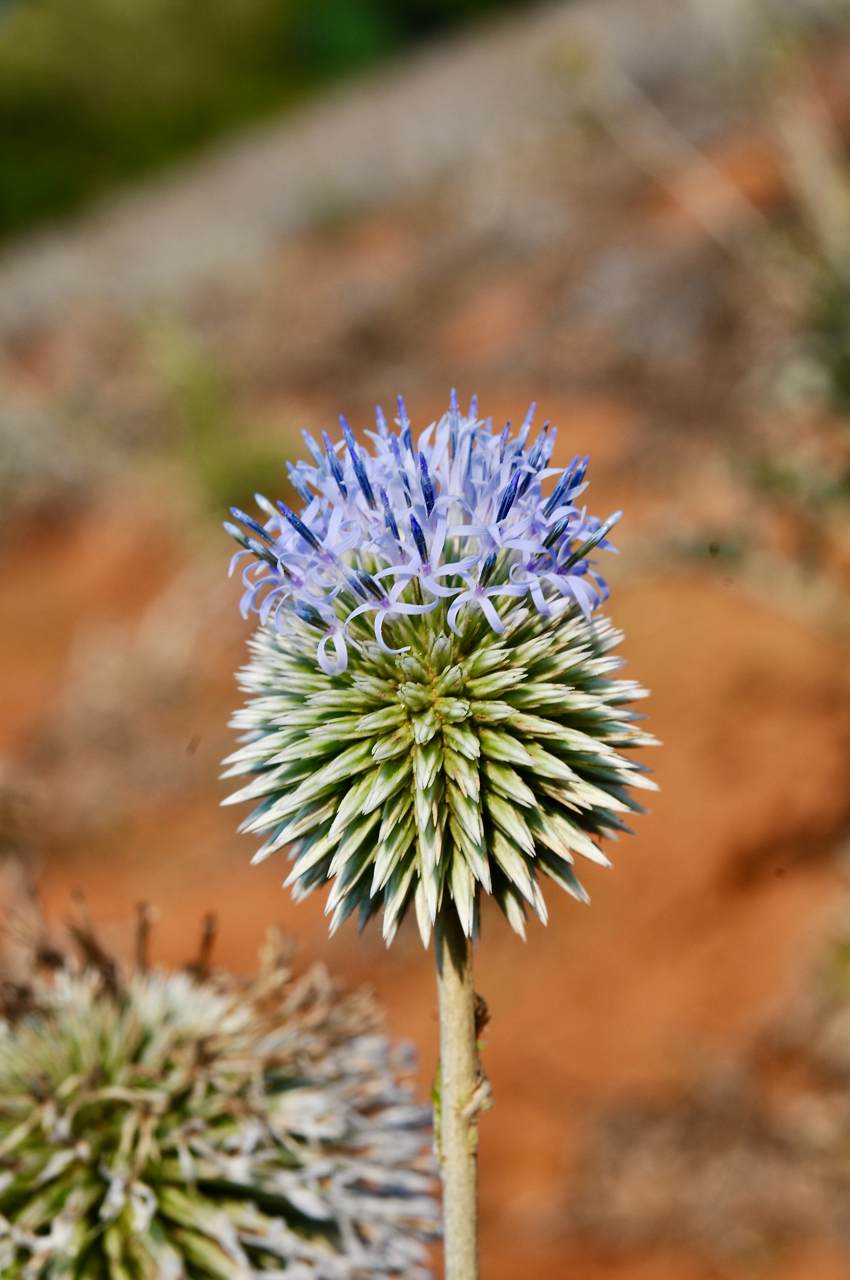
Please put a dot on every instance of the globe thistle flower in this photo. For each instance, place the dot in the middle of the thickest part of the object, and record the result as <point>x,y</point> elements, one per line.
<point>168,1125</point>
<point>433,707</point>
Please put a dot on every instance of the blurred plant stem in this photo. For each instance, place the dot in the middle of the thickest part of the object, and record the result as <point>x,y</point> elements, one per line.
<point>458,1100</point>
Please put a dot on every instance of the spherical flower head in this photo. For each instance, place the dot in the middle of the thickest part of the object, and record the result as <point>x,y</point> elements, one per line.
<point>173,1126</point>
<point>433,712</point>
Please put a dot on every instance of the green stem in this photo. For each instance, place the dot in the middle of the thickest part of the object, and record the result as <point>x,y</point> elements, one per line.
<point>459,1091</point>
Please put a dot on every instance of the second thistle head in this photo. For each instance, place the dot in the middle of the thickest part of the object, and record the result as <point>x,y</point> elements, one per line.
<point>433,711</point>
<point>160,1125</point>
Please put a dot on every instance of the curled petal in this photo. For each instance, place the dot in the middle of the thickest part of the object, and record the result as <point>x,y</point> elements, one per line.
<point>436,588</point>
<point>235,559</point>
<point>413,608</point>
<point>265,607</point>
<point>576,586</point>
<point>466,597</point>
<point>333,666</point>
<point>490,613</point>
<point>535,590</point>
<point>380,619</point>
<point>406,571</point>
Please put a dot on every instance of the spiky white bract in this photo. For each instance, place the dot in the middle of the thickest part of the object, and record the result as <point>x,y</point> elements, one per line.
<point>212,1128</point>
<point>461,731</point>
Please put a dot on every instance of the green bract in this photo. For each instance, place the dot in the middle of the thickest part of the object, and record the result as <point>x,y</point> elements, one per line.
<point>175,1127</point>
<point>473,762</point>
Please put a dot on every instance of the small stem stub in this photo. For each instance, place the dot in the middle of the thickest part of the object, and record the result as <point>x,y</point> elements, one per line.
<point>462,1094</point>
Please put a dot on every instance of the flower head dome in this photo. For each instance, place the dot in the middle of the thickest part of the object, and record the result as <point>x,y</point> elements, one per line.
<point>173,1124</point>
<point>432,707</point>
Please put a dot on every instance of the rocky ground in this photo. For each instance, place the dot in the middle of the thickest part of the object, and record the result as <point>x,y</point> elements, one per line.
<point>570,209</point>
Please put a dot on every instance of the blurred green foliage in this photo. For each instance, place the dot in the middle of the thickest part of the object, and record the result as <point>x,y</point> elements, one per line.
<point>829,335</point>
<point>94,94</point>
<point>226,464</point>
<point>811,484</point>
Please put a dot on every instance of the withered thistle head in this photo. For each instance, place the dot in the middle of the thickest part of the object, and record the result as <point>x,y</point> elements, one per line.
<point>433,707</point>
<point>168,1125</point>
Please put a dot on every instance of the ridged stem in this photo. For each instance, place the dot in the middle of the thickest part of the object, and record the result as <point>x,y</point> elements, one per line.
<point>457,1130</point>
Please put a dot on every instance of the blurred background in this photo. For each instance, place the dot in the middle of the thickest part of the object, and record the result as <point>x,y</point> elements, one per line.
<point>217,229</point>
